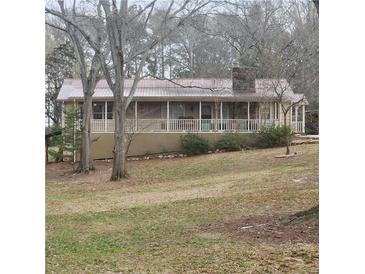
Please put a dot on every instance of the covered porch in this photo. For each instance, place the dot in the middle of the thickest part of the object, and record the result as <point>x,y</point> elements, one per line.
<point>201,116</point>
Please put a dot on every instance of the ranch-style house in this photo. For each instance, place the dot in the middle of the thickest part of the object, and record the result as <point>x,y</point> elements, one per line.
<point>163,110</point>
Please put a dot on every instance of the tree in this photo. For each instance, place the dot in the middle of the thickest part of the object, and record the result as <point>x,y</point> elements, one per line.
<point>124,46</point>
<point>59,66</point>
<point>281,90</point>
<point>89,69</point>
<point>258,31</point>
<point>71,133</point>
<point>116,27</point>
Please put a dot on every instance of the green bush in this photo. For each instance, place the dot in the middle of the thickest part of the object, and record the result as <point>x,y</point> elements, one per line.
<point>273,136</point>
<point>193,144</point>
<point>237,141</point>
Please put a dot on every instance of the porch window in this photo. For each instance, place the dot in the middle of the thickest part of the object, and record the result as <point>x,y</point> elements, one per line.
<point>240,110</point>
<point>265,111</point>
<point>177,110</point>
<point>227,109</point>
<point>276,111</point>
<point>98,110</point>
<point>254,109</point>
<point>150,110</point>
<point>130,111</point>
<point>300,113</point>
<point>293,114</point>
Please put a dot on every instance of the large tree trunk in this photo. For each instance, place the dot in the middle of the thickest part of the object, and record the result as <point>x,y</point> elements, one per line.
<point>86,163</point>
<point>120,142</point>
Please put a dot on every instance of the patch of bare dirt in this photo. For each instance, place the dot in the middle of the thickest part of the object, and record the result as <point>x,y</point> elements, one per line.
<point>94,180</point>
<point>302,227</point>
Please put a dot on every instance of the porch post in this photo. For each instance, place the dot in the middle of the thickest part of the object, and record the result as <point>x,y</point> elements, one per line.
<point>303,118</point>
<point>62,114</point>
<point>279,113</point>
<point>248,116</point>
<point>135,116</point>
<point>200,115</point>
<point>296,118</point>
<point>275,111</point>
<point>291,118</point>
<point>168,116</point>
<point>221,127</point>
<point>259,122</point>
<point>105,116</point>
<point>74,137</point>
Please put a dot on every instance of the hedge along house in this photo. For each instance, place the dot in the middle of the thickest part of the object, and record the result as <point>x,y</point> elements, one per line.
<point>163,110</point>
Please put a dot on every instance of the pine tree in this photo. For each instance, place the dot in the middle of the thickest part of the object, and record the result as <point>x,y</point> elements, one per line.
<point>71,132</point>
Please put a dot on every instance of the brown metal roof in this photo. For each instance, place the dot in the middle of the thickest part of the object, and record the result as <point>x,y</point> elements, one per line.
<point>184,89</point>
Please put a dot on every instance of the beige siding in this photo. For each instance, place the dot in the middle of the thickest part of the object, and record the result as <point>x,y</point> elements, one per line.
<point>143,143</point>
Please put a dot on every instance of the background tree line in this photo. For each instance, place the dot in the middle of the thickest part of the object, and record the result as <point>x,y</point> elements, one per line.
<point>246,33</point>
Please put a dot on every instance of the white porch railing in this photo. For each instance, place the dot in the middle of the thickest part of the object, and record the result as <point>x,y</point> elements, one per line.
<point>176,125</point>
<point>297,126</point>
<point>187,125</point>
<point>98,125</point>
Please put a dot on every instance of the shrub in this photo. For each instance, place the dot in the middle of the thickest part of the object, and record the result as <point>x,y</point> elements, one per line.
<point>193,144</point>
<point>230,142</point>
<point>273,136</point>
<point>237,141</point>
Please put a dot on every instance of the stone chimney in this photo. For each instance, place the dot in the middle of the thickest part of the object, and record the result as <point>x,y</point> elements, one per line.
<point>243,79</point>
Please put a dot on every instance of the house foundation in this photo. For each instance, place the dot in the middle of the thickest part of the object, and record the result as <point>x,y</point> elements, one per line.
<point>143,143</point>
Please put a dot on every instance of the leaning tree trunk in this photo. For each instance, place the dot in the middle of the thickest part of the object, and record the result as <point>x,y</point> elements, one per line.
<point>86,163</point>
<point>120,141</point>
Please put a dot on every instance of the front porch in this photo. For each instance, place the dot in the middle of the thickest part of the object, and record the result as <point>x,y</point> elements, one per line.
<point>207,117</point>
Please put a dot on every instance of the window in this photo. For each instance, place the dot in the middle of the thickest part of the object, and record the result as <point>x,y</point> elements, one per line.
<point>254,109</point>
<point>265,111</point>
<point>276,111</point>
<point>177,110</point>
<point>227,109</point>
<point>98,110</point>
<point>300,113</point>
<point>206,111</point>
<point>149,110</point>
<point>293,114</point>
<point>240,110</point>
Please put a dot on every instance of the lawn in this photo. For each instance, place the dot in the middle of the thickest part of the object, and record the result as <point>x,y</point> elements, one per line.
<point>216,213</point>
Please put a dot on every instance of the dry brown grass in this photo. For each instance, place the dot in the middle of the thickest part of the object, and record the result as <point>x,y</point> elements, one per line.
<point>150,222</point>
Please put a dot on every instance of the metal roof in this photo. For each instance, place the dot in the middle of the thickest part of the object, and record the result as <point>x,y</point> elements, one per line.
<point>186,89</point>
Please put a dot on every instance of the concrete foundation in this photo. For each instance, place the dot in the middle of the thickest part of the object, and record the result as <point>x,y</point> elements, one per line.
<point>143,143</point>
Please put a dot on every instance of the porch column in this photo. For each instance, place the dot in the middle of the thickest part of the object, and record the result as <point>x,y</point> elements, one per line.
<point>135,116</point>
<point>248,116</point>
<point>221,127</point>
<point>62,114</point>
<point>275,112</point>
<point>168,116</point>
<point>105,116</point>
<point>74,136</point>
<point>279,113</point>
<point>259,122</point>
<point>296,118</point>
<point>200,115</point>
<point>303,118</point>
